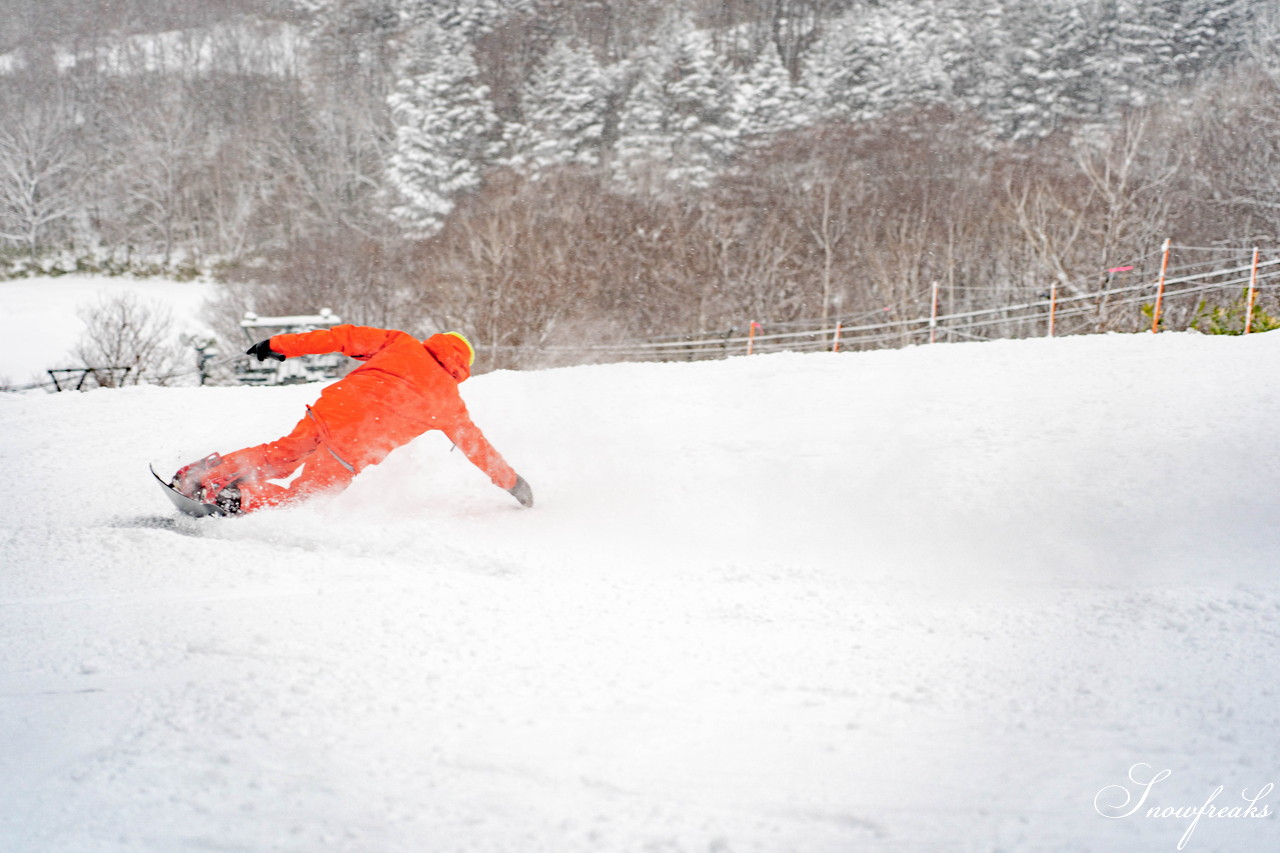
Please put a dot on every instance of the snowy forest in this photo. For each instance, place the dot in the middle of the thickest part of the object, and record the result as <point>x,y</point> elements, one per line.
<point>555,172</point>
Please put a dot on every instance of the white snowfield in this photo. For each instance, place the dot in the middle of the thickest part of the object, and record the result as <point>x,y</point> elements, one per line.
<point>963,598</point>
<point>40,322</point>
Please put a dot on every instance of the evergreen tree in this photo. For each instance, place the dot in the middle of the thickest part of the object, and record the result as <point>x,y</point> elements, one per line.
<point>702,105</point>
<point>1264,41</point>
<point>563,111</point>
<point>1208,34</point>
<point>974,50</point>
<point>644,140</point>
<point>1047,62</point>
<point>874,60</point>
<point>1168,43</point>
<point>768,102</point>
<point>911,39</point>
<point>680,121</point>
<point>1111,77</point>
<point>468,17</point>
<point>1146,48</point>
<point>445,129</point>
<point>840,70</point>
<point>1060,67</point>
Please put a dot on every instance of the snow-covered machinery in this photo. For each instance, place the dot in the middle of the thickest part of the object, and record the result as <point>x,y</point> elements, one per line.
<point>308,368</point>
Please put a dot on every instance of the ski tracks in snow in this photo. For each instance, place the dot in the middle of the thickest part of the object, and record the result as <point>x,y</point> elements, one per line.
<point>931,599</point>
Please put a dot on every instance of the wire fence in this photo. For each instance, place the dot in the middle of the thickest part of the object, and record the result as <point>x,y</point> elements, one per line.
<point>1220,291</point>
<point>1146,295</point>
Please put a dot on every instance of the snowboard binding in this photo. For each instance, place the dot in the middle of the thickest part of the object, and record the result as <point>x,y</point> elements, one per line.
<point>197,483</point>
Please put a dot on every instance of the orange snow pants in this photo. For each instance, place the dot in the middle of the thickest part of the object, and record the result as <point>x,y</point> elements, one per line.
<point>322,469</point>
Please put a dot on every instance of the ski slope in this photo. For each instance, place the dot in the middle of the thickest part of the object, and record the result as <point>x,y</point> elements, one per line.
<point>942,598</point>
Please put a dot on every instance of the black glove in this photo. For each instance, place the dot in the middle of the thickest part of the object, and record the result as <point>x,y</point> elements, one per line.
<point>263,351</point>
<point>521,492</point>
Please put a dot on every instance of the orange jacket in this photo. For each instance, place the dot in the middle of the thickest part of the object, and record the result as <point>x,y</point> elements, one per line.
<point>404,388</point>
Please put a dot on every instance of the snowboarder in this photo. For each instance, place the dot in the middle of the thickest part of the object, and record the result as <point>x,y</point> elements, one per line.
<point>404,388</point>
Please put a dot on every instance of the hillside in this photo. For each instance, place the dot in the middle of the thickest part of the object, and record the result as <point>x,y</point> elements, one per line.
<point>559,172</point>
<point>936,598</point>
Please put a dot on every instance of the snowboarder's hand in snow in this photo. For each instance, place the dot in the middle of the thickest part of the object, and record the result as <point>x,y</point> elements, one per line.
<point>522,492</point>
<point>263,351</point>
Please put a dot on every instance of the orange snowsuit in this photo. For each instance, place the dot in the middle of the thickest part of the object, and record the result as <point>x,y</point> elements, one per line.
<point>404,388</point>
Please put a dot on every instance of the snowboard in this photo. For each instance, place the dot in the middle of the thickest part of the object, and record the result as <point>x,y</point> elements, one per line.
<point>184,504</point>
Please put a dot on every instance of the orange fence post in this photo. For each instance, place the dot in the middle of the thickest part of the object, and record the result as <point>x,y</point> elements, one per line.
<point>933,315</point>
<point>1164,267</point>
<point>1053,305</point>
<point>751,336</point>
<point>1253,290</point>
<point>835,340</point>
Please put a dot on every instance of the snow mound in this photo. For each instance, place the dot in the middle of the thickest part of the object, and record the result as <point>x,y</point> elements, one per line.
<point>935,598</point>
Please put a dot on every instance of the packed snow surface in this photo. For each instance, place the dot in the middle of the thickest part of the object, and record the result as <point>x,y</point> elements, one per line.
<point>971,597</point>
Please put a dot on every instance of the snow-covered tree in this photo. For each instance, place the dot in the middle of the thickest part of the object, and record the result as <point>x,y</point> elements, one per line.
<point>445,129</point>
<point>972,50</point>
<point>839,69</point>
<point>563,110</point>
<point>768,102</point>
<point>469,17</point>
<point>917,52</point>
<point>1264,42</point>
<point>1046,58</point>
<point>644,138</point>
<point>1208,34</point>
<point>1062,65</point>
<point>874,60</point>
<point>679,122</point>
<point>1171,42</point>
<point>1110,80</point>
<point>701,104</point>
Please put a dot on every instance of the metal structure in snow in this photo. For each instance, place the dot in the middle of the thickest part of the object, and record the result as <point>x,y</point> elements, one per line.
<point>307,368</point>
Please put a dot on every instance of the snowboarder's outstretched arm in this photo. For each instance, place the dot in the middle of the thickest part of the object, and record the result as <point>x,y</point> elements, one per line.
<point>359,342</point>
<point>468,438</point>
